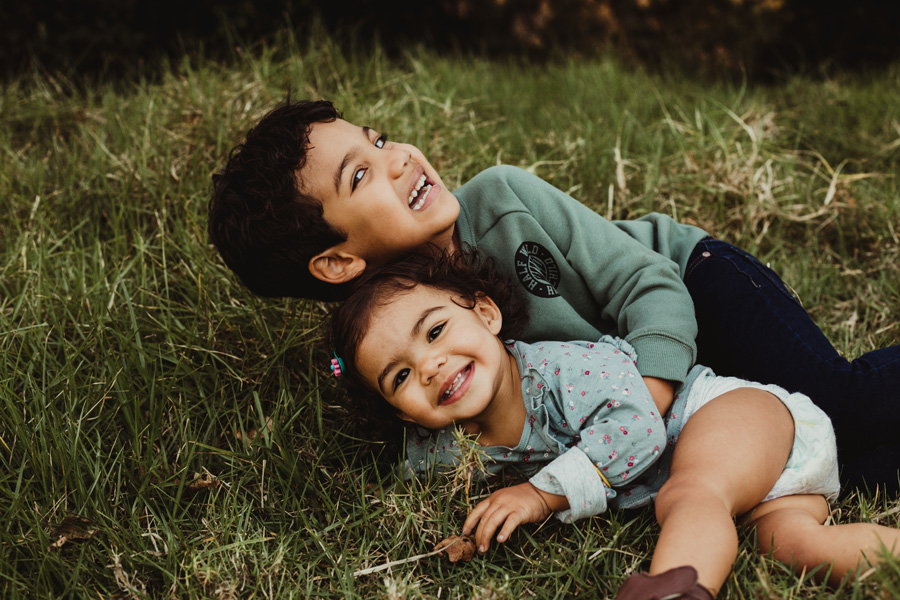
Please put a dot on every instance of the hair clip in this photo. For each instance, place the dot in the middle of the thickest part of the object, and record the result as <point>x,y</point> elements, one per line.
<point>337,365</point>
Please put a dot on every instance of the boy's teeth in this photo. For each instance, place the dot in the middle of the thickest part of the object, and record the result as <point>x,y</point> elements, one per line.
<point>418,193</point>
<point>423,193</point>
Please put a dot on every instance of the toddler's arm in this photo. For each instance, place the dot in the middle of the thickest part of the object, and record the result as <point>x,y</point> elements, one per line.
<point>610,429</point>
<point>507,509</point>
<point>663,392</point>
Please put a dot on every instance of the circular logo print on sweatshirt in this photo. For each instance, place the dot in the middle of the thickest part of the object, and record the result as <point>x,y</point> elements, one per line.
<point>537,270</point>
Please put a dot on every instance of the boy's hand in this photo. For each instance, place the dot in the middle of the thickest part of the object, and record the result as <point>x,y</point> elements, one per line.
<point>510,507</point>
<point>663,392</point>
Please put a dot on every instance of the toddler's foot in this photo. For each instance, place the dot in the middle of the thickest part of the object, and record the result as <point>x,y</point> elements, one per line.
<point>680,582</point>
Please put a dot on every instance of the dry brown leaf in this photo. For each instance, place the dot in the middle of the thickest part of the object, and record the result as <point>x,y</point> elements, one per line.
<point>253,433</point>
<point>72,529</point>
<point>203,482</point>
<point>457,548</point>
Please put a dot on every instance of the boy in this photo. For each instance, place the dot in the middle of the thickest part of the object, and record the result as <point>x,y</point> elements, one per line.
<point>309,201</point>
<point>362,201</point>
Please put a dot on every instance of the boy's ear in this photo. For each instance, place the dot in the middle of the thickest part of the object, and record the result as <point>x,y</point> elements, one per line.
<point>489,312</point>
<point>334,266</point>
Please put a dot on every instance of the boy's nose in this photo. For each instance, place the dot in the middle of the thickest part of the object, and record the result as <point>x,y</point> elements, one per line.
<point>398,161</point>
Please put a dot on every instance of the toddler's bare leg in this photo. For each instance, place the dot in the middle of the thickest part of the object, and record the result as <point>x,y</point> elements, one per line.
<point>729,455</point>
<point>792,528</point>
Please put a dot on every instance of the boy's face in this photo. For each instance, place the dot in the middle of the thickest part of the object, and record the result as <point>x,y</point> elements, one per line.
<point>436,362</point>
<point>384,196</point>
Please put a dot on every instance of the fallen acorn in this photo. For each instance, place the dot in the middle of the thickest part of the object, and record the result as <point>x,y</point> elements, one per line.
<point>457,548</point>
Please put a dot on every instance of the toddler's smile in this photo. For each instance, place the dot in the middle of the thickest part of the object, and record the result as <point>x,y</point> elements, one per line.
<point>456,387</point>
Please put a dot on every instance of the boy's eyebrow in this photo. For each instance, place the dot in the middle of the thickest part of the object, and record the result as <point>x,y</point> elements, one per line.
<point>348,158</point>
<point>417,327</point>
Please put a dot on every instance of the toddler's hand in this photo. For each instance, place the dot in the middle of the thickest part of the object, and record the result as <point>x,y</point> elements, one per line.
<point>509,507</point>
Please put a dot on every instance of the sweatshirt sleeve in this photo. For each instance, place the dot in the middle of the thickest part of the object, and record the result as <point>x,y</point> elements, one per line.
<point>636,288</point>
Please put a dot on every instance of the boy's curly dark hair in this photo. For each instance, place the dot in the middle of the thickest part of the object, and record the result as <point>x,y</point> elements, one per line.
<point>264,226</point>
<point>465,274</point>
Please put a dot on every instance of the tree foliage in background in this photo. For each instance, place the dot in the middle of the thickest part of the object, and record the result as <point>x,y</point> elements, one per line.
<point>715,36</point>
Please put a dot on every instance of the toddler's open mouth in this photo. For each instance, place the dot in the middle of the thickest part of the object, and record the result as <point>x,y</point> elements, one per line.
<point>456,387</point>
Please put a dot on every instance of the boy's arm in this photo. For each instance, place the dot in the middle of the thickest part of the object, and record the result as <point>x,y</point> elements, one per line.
<point>639,290</point>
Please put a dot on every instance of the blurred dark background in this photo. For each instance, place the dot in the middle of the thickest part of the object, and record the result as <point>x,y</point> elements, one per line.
<point>757,38</point>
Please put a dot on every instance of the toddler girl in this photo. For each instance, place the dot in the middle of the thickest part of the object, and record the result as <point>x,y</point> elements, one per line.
<point>426,336</point>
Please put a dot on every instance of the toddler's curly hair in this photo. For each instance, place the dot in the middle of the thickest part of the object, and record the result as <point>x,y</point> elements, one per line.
<point>465,274</point>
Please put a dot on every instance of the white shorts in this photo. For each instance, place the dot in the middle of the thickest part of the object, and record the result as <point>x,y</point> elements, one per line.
<point>812,467</point>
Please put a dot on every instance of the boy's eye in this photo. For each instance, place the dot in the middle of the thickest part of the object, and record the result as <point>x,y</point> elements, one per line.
<point>400,377</point>
<point>357,177</point>
<point>379,142</point>
<point>435,331</point>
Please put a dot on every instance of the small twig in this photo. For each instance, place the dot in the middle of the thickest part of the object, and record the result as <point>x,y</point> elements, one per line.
<point>402,561</point>
<point>603,550</point>
<point>886,513</point>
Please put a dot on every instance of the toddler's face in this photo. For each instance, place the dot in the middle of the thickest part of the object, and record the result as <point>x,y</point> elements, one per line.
<point>383,195</point>
<point>434,361</point>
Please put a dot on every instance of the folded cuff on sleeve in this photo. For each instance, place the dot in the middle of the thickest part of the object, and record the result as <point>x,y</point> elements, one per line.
<point>574,476</point>
<point>663,357</point>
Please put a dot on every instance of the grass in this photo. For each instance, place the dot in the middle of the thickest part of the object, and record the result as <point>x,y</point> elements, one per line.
<point>134,369</point>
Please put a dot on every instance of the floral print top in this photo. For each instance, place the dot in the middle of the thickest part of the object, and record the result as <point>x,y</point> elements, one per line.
<point>592,431</point>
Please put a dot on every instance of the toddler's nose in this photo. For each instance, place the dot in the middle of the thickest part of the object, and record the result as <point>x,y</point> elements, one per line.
<point>431,367</point>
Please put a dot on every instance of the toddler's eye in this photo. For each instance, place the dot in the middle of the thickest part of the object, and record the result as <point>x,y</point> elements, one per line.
<point>401,377</point>
<point>381,140</point>
<point>435,331</point>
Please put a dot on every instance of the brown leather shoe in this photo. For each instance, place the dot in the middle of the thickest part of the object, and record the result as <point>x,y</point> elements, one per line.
<point>680,582</point>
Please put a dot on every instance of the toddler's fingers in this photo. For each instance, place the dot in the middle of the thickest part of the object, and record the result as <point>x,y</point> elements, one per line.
<point>488,525</point>
<point>513,520</point>
<point>475,516</point>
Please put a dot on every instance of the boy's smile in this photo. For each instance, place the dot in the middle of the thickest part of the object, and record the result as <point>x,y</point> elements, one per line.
<point>384,196</point>
<point>440,363</point>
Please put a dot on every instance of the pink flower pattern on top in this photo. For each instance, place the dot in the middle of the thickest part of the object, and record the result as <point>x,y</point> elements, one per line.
<point>572,411</point>
<point>585,410</point>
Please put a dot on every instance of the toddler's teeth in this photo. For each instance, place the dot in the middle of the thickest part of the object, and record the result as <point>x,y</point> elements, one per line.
<point>457,381</point>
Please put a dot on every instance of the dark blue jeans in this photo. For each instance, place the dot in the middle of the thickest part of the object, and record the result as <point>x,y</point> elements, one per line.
<point>752,326</point>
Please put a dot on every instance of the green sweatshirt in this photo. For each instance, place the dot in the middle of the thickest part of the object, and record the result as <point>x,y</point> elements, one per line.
<point>586,276</point>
